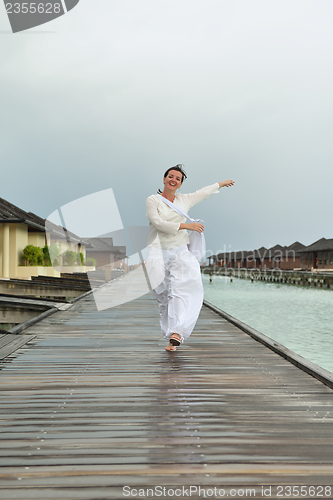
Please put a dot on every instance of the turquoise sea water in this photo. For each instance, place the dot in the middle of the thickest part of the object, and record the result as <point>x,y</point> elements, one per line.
<point>299,318</point>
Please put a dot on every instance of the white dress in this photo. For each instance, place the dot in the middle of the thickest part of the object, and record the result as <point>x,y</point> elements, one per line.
<point>173,271</point>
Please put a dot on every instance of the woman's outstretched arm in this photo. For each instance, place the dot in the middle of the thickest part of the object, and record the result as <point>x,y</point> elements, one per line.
<point>195,226</point>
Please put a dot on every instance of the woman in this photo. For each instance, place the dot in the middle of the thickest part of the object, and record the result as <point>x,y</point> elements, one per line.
<point>173,271</point>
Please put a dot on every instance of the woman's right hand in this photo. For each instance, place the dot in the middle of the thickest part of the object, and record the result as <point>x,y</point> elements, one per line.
<point>193,226</point>
<point>196,226</point>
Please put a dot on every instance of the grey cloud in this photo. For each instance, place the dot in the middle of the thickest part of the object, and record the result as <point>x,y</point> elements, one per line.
<point>121,92</point>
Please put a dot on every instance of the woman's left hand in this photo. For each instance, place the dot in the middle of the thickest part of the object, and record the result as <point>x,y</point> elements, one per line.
<point>227,183</point>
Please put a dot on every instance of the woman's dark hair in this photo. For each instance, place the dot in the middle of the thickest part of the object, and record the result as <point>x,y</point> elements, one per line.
<point>178,168</point>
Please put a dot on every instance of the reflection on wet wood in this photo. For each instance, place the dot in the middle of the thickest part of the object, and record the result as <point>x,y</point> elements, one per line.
<point>94,403</point>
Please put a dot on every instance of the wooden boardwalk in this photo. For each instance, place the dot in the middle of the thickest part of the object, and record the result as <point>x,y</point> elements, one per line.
<point>93,403</point>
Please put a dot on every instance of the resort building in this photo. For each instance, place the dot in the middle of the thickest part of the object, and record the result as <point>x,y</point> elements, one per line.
<point>19,229</point>
<point>105,253</point>
<point>277,257</point>
<point>318,255</point>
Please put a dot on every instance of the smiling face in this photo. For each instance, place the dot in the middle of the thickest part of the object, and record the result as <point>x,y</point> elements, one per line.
<point>173,180</point>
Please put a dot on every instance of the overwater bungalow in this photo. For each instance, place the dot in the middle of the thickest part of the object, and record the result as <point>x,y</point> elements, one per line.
<point>318,255</point>
<point>255,258</point>
<point>281,257</point>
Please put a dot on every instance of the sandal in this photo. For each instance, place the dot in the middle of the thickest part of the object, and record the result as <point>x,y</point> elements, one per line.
<point>174,340</point>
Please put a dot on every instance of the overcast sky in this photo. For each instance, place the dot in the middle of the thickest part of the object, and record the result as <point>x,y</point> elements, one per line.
<point>114,92</point>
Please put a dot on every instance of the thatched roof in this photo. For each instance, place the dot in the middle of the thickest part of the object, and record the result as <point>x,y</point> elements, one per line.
<point>319,246</point>
<point>261,253</point>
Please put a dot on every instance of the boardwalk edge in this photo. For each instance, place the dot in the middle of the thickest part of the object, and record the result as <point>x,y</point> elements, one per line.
<point>30,322</point>
<point>304,364</point>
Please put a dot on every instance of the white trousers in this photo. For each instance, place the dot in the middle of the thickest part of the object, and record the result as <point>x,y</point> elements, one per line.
<point>176,280</point>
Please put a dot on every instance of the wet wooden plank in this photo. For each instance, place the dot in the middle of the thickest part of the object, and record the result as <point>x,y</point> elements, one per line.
<point>96,403</point>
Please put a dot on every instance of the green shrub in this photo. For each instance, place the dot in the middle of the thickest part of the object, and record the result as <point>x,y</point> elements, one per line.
<point>33,256</point>
<point>47,260</point>
<point>49,256</point>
